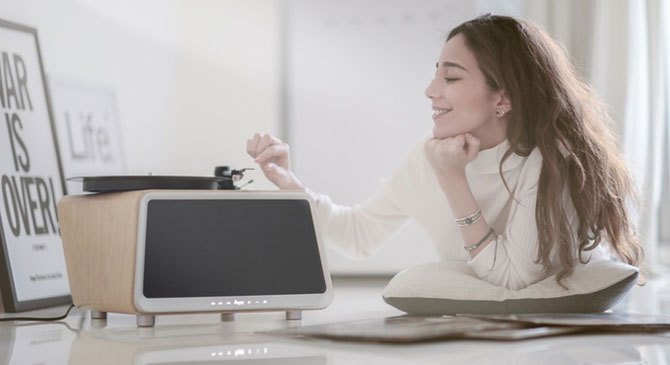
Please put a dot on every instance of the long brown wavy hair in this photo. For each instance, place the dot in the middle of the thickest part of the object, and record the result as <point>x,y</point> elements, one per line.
<point>553,109</point>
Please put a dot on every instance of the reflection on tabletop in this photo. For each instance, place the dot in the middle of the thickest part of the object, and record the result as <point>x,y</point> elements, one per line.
<point>180,339</point>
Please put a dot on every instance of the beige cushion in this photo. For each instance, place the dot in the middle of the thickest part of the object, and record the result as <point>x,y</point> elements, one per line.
<point>452,287</point>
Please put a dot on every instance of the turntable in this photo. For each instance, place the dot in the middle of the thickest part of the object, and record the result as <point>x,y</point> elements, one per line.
<point>155,245</point>
<point>224,178</point>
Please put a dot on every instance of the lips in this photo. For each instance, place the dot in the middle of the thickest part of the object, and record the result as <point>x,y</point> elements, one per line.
<point>437,112</point>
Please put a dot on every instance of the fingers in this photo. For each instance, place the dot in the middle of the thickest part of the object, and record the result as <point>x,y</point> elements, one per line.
<point>252,143</point>
<point>472,141</point>
<point>473,146</point>
<point>266,141</point>
<point>258,143</point>
<point>449,145</point>
<point>274,151</point>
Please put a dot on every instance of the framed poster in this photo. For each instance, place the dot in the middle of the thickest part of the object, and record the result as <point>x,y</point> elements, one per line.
<point>32,264</point>
<point>88,130</point>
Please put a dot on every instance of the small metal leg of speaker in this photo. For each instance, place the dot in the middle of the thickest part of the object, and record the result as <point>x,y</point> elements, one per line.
<point>145,320</point>
<point>293,315</point>
<point>98,315</point>
<point>227,317</point>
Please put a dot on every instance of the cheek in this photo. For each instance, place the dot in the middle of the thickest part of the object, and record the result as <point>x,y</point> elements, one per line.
<point>473,105</point>
<point>470,112</point>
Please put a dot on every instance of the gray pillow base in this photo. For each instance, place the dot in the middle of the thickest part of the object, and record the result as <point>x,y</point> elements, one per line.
<point>595,302</point>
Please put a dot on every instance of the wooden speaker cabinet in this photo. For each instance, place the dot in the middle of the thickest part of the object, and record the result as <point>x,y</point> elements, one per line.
<point>151,252</point>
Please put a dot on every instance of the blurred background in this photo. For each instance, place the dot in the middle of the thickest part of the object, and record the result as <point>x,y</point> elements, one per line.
<point>342,82</point>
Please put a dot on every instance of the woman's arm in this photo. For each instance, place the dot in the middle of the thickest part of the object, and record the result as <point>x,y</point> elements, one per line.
<point>359,231</point>
<point>448,157</point>
<point>510,261</point>
<point>463,204</point>
<point>504,258</point>
<point>356,231</point>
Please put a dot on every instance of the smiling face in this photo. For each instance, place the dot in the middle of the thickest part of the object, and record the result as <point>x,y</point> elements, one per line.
<point>461,100</point>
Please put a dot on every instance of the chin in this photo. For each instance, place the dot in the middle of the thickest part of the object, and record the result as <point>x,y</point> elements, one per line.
<point>439,133</point>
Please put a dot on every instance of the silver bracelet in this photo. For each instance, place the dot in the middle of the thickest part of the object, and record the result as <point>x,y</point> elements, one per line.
<point>469,220</point>
<point>474,247</point>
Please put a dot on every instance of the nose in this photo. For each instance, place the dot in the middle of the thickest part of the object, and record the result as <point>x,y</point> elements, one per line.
<point>432,90</point>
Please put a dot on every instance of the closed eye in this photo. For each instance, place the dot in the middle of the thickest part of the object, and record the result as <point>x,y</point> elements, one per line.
<point>451,80</point>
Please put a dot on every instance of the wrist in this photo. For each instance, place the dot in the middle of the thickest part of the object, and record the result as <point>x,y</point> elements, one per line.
<point>292,184</point>
<point>454,173</point>
<point>456,189</point>
<point>448,178</point>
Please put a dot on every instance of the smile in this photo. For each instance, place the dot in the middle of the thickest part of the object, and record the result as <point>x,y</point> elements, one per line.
<point>438,112</point>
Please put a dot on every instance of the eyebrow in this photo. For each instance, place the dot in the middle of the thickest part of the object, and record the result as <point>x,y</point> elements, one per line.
<point>451,64</point>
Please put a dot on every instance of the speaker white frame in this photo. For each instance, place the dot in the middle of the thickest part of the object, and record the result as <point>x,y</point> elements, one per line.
<point>227,303</point>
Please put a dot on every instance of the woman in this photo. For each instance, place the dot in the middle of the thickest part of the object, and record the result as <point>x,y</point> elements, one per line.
<point>521,176</point>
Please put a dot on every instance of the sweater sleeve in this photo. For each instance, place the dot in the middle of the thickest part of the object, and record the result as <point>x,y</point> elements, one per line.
<point>509,260</point>
<point>359,231</point>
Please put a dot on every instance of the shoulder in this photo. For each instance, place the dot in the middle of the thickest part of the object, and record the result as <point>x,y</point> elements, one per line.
<point>529,177</point>
<point>534,160</point>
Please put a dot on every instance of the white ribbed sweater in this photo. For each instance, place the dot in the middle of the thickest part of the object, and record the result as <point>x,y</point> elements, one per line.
<point>412,191</point>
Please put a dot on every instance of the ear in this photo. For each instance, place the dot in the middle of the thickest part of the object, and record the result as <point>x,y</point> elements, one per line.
<point>502,101</point>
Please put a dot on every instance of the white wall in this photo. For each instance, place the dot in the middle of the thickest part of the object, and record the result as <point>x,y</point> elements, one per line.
<point>193,78</point>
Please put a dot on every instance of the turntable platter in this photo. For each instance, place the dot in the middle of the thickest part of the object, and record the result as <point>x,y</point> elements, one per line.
<point>224,179</point>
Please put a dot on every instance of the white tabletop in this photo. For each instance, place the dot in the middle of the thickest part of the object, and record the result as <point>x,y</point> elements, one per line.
<point>189,339</point>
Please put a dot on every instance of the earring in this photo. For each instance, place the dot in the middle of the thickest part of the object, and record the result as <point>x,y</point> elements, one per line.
<point>500,112</point>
